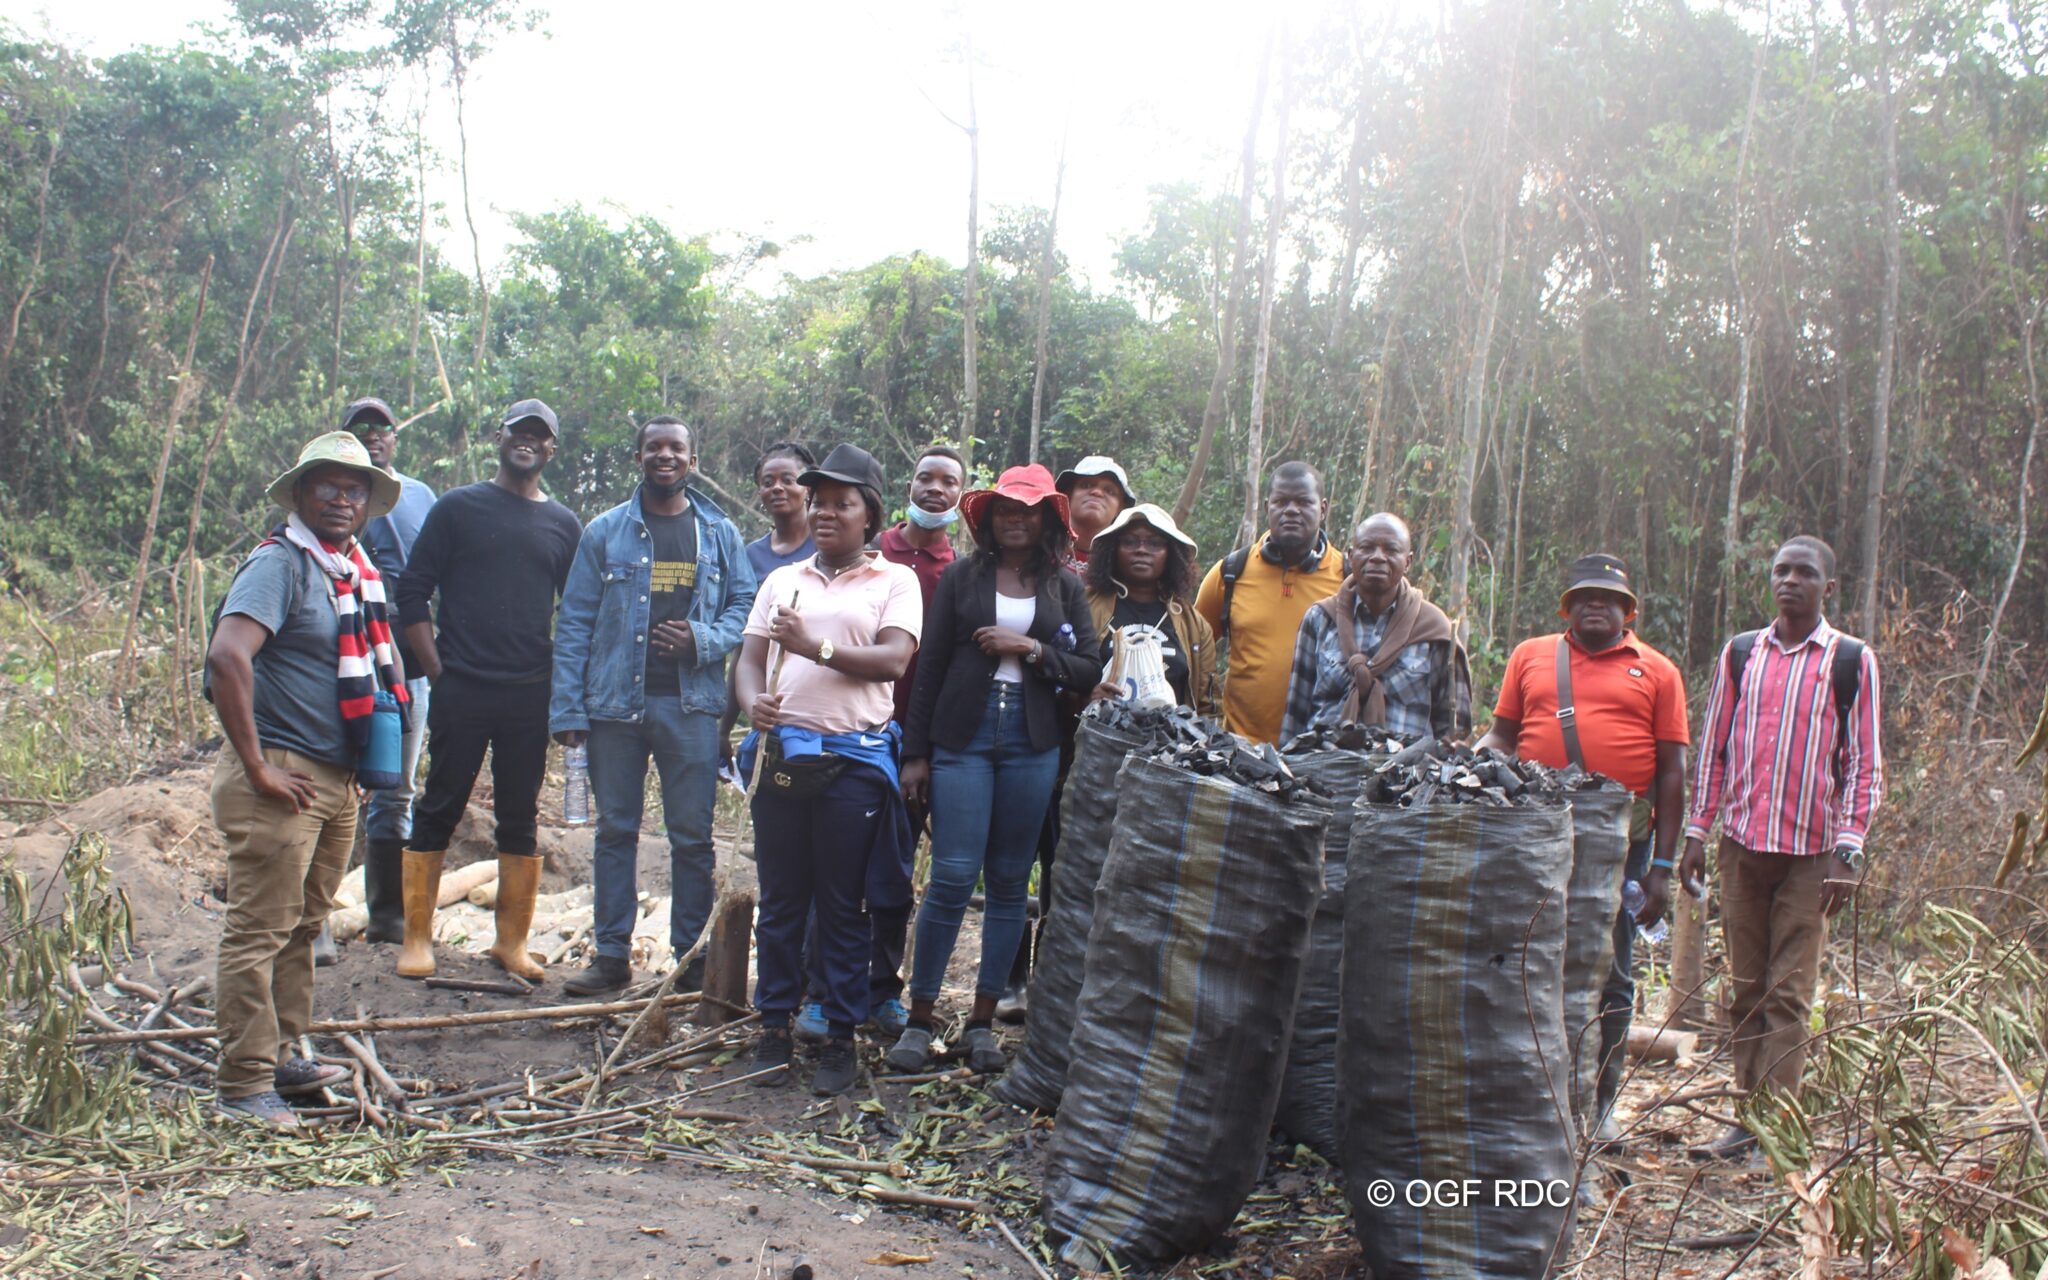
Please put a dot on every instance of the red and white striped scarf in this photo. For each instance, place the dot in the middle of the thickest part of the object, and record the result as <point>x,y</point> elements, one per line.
<point>368,657</point>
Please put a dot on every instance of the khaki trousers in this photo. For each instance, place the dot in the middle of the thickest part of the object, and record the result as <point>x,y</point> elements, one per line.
<point>1772,925</point>
<point>283,869</point>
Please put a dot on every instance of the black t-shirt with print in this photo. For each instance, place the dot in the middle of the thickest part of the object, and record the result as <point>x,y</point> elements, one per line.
<point>675,586</point>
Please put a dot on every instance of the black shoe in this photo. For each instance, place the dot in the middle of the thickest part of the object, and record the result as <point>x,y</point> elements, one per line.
<point>297,1075</point>
<point>773,1050</point>
<point>1014,1005</point>
<point>324,951</point>
<point>606,975</point>
<point>384,890</point>
<point>692,978</point>
<point>1736,1144</point>
<point>837,1068</point>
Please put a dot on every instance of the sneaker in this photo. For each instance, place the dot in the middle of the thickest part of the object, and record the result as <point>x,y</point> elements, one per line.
<point>984,1055</point>
<point>913,1051</point>
<point>606,975</point>
<point>773,1049</point>
<point>837,1068</point>
<point>889,1017</point>
<point>297,1075</point>
<point>811,1026</point>
<point>1016,1002</point>
<point>266,1108</point>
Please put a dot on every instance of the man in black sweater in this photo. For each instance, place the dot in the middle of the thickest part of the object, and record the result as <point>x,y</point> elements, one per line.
<point>498,552</point>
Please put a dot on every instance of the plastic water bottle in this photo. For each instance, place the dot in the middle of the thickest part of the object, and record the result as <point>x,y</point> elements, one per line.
<point>1632,901</point>
<point>576,785</point>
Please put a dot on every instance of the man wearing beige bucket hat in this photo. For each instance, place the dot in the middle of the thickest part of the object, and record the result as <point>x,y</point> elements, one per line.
<point>300,656</point>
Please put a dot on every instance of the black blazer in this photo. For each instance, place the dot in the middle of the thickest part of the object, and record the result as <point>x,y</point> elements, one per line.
<point>953,674</point>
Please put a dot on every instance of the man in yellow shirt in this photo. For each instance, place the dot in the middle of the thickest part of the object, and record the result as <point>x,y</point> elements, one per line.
<point>1255,598</point>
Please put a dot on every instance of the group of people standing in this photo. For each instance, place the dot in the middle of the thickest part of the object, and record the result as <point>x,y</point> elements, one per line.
<point>927,672</point>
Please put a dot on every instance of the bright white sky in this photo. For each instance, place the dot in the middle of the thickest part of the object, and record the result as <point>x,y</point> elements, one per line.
<point>809,118</point>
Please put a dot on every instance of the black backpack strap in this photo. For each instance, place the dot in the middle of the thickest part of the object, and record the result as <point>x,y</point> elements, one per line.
<point>1847,679</point>
<point>1233,569</point>
<point>1739,650</point>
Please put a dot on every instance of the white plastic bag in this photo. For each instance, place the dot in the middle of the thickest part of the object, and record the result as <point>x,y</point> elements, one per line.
<point>1138,666</point>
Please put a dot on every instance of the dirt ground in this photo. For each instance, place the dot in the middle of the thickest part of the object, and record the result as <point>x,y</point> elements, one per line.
<point>564,1215</point>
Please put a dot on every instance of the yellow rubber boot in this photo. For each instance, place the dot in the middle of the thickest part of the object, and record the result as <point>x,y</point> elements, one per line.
<point>518,883</point>
<point>421,891</point>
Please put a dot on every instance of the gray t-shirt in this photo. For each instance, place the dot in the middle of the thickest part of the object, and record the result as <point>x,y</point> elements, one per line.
<point>297,705</point>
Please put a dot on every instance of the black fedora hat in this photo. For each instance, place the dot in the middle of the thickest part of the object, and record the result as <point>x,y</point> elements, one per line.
<point>1597,572</point>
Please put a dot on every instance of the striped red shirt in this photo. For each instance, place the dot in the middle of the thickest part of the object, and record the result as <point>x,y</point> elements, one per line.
<point>1769,765</point>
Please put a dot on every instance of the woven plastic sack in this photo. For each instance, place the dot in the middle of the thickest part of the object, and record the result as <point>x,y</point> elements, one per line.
<point>1201,922</point>
<point>1308,1089</point>
<point>1087,817</point>
<point>1599,850</point>
<point>1452,1062</point>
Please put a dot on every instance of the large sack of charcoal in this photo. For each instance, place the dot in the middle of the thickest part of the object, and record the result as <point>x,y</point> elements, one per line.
<point>1201,922</point>
<point>1600,816</point>
<point>1338,760</point>
<point>1110,730</point>
<point>1453,1069</point>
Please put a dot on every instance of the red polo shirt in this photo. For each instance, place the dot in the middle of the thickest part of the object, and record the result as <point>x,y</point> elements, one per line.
<point>1628,698</point>
<point>927,563</point>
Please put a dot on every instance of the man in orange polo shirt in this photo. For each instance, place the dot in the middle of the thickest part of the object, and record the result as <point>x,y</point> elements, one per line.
<point>1629,704</point>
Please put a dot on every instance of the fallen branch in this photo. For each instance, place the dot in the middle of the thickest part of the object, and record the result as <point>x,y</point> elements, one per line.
<point>480,1018</point>
<point>923,1199</point>
<point>366,1058</point>
<point>510,988</point>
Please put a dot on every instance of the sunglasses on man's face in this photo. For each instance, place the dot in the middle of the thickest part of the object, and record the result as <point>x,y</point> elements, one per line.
<point>355,495</point>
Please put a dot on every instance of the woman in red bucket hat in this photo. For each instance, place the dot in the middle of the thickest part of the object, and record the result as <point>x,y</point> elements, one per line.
<point>1008,627</point>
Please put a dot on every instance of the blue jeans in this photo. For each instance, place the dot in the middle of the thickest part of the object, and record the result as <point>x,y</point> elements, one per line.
<point>988,805</point>
<point>684,745</point>
<point>388,814</point>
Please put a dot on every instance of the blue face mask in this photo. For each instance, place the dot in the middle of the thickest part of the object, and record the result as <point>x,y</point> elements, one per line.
<point>929,520</point>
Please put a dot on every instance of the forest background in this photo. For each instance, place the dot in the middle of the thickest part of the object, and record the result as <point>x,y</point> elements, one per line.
<point>1672,280</point>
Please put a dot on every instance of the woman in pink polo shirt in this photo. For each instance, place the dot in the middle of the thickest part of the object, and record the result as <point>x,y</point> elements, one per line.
<point>827,802</point>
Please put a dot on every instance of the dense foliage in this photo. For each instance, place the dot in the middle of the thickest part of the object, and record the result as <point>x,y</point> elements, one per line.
<point>1566,267</point>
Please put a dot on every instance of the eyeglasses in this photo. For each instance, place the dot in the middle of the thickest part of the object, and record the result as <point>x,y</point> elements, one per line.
<point>355,495</point>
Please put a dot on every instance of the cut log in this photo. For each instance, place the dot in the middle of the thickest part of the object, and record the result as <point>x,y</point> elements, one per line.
<point>485,894</point>
<point>1661,1044</point>
<point>456,884</point>
<point>351,892</point>
<point>347,923</point>
<point>725,959</point>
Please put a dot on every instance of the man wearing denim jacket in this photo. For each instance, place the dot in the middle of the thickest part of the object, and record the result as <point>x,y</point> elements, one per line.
<point>656,598</point>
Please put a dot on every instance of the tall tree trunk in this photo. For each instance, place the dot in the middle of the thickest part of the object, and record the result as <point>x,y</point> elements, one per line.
<point>1888,332</point>
<point>1381,375</point>
<point>1226,333</point>
<point>179,396</point>
<point>33,273</point>
<point>1045,260</point>
<point>970,338</point>
<point>456,75</point>
<point>1269,273</point>
<point>419,257</point>
<point>1463,535</point>
<point>1731,525</point>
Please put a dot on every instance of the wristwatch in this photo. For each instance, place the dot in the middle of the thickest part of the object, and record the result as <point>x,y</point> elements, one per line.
<point>1037,647</point>
<point>1851,858</point>
<point>824,651</point>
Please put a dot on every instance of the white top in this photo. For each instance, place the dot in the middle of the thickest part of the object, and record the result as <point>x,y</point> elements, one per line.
<point>1016,613</point>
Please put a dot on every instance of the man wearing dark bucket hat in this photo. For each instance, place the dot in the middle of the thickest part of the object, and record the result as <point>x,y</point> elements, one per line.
<point>497,553</point>
<point>1627,721</point>
<point>299,657</point>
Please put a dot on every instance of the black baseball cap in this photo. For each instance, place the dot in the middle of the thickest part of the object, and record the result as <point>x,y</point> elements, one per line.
<point>848,464</point>
<point>536,409</point>
<point>1598,571</point>
<point>368,410</point>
